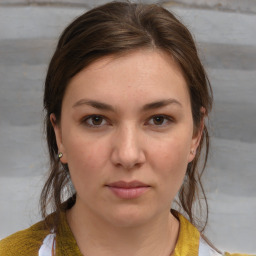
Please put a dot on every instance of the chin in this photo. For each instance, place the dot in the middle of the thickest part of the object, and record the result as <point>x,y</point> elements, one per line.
<point>129,217</point>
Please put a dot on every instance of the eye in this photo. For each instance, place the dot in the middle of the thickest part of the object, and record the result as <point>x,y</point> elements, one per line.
<point>94,121</point>
<point>160,120</point>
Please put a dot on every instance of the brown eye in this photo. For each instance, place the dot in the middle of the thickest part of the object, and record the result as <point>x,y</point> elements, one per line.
<point>95,121</point>
<point>158,120</point>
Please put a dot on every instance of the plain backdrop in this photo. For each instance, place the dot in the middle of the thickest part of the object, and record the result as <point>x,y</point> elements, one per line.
<point>227,45</point>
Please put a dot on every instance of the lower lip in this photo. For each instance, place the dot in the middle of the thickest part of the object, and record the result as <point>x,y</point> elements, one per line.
<point>128,193</point>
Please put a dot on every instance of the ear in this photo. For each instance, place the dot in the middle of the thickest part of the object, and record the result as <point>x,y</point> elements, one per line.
<point>58,136</point>
<point>197,137</point>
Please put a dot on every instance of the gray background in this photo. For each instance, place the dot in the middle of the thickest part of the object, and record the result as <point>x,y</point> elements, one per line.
<point>226,35</point>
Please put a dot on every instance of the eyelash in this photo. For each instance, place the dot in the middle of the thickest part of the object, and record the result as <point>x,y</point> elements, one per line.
<point>85,120</point>
<point>168,119</point>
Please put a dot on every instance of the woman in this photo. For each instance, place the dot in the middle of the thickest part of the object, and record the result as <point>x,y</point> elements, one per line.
<point>126,98</point>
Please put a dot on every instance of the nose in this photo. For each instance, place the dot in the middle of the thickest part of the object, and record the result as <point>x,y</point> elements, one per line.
<point>127,149</point>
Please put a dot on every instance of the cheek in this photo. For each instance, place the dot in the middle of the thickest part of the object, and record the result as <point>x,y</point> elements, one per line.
<point>86,156</point>
<point>170,154</point>
<point>169,160</point>
<point>86,161</point>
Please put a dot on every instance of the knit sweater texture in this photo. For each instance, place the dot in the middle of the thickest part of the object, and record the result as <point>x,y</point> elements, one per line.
<point>28,242</point>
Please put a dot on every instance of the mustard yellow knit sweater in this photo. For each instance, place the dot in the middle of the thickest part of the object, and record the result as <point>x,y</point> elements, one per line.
<point>28,242</point>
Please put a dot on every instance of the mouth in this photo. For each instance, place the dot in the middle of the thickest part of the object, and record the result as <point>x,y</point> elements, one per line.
<point>128,190</point>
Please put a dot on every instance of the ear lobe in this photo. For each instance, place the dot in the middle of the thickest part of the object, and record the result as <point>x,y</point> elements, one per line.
<point>58,137</point>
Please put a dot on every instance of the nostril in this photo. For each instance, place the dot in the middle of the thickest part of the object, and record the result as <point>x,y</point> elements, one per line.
<point>127,149</point>
<point>128,159</point>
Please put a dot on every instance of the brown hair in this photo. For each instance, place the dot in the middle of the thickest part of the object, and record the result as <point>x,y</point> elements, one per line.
<point>111,29</point>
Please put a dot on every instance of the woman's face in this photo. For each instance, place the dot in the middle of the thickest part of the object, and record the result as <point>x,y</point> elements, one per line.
<point>126,133</point>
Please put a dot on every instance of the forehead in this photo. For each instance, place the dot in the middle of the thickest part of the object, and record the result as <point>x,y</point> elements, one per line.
<point>146,62</point>
<point>142,75</point>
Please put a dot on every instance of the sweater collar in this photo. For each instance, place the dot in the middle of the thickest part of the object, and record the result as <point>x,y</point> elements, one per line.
<point>188,239</point>
<point>66,244</point>
<point>187,243</point>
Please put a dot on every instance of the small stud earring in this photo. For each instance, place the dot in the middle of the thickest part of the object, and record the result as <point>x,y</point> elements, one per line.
<point>60,155</point>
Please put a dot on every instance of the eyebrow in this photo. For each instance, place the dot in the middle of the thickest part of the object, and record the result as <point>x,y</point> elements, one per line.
<point>95,104</point>
<point>160,104</point>
<point>107,107</point>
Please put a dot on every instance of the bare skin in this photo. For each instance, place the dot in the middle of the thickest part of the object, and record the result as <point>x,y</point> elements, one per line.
<point>156,239</point>
<point>126,120</point>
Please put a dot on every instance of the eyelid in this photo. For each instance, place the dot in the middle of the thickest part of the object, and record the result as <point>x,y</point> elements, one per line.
<point>166,117</point>
<point>86,118</point>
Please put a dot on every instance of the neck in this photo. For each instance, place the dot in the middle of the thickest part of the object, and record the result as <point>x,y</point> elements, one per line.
<point>95,236</point>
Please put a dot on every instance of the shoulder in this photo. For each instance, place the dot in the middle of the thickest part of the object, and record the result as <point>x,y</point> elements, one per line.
<point>192,242</point>
<point>236,254</point>
<point>25,242</point>
<point>206,248</point>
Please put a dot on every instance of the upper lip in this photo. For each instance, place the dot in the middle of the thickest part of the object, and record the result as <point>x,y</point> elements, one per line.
<point>130,184</point>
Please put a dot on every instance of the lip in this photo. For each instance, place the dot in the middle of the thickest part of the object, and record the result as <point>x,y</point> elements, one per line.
<point>128,190</point>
